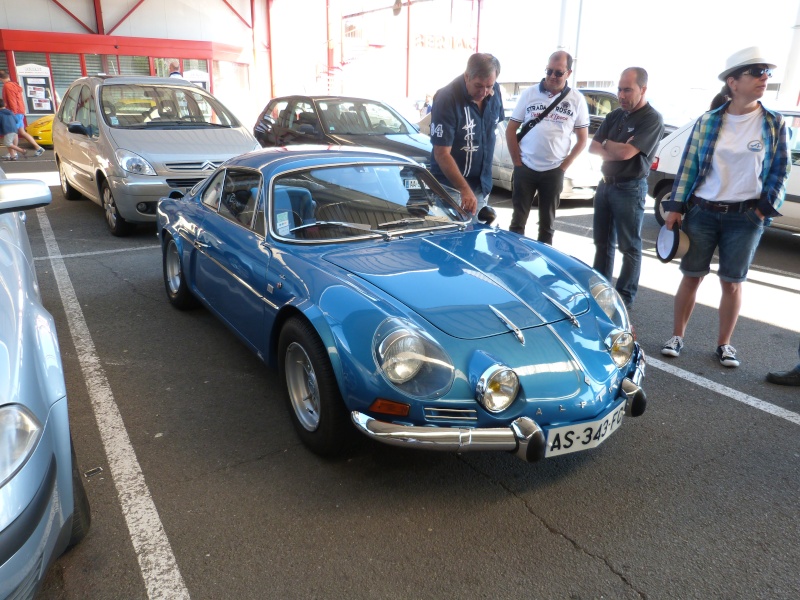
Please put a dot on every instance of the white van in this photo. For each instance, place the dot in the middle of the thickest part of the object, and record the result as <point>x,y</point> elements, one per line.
<point>668,156</point>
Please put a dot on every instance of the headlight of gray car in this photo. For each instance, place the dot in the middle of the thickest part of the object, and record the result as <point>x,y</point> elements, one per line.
<point>411,360</point>
<point>133,163</point>
<point>610,302</point>
<point>20,431</point>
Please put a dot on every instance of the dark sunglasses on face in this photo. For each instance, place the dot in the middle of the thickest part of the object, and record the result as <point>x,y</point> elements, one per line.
<point>757,72</point>
<point>554,72</point>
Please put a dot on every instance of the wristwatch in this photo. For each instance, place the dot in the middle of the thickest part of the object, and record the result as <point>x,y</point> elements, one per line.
<point>603,143</point>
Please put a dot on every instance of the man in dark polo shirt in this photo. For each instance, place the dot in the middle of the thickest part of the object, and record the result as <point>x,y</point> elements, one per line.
<point>626,141</point>
<point>463,121</point>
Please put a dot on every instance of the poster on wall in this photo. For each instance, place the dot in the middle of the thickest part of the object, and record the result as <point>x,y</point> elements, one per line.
<point>37,89</point>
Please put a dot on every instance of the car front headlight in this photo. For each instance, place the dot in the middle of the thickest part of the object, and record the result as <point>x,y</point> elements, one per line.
<point>621,345</point>
<point>133,163</point>
<point>497,388</point>
<point>20,431</point>
<point>610,302</point>
<point>411,360</point>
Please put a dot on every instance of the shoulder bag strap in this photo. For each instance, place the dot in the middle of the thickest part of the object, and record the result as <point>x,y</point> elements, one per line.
<point>534,122</point>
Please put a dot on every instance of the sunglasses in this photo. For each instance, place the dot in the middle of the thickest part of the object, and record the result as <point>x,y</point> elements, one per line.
<point>554,72</point>
<point>757,72</point>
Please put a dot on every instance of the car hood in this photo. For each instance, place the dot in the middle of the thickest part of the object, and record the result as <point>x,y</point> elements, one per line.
<point>30,362</point>
<point>469,285</point>
<point>414,145</point>
<point>161,145</point>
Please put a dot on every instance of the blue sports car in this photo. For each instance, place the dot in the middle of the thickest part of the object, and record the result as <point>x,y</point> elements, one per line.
<point>389,310</point>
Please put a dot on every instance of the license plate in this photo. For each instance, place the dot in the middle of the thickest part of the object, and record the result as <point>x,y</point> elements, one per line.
<point>412,184</point>
<point>574,438</point>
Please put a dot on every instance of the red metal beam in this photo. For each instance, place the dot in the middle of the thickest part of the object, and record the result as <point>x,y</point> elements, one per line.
<point>98,16</point>
<point>127,14</point>
<point>234,11</point>
<point>81,23</point>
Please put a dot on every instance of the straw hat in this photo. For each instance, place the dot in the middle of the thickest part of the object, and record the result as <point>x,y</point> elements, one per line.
<point>742,58</point>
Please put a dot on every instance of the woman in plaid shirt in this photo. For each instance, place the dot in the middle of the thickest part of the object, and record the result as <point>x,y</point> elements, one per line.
<point>732,177</point>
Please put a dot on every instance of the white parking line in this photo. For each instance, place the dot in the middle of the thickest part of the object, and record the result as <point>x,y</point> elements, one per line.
<point>96,252</point>
<point>159,569</point>
<point>723,390</point>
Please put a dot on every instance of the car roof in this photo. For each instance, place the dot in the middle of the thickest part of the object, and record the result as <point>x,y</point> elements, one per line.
<point>134,80</point>
<point>313,155</point>
<point>329,98</point>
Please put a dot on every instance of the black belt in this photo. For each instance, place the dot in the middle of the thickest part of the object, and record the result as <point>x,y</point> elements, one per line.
<point>723,207</point>
<point>610,180</point>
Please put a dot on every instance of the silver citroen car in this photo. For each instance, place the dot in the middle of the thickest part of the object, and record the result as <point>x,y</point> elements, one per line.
<point>125,142</point>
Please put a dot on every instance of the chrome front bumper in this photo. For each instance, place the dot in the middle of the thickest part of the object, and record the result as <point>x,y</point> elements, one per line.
<point>523,437</point>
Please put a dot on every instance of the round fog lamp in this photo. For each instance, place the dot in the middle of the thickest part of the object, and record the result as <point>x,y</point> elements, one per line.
<point>141,207</point>
<point>497,388</point>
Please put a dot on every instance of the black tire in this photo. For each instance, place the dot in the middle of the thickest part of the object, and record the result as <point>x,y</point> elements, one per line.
<point>658,211</point>
<point>81,515</point>
<point>312,394</point>
<point>116,224</point>
<point>70,193</point>
<point>178,292</point>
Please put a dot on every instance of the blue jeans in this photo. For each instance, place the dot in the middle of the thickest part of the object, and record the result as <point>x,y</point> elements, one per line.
<point>735,234</point>
<point>618,216</point>
<point>483,199</point>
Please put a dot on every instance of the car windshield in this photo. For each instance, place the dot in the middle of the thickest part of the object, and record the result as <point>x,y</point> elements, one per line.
<point>357,201</point>
<point>148,106</point>
<point>361,117</point>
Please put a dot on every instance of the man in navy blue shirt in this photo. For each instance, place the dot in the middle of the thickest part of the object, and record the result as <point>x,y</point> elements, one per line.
<point>465,113</point>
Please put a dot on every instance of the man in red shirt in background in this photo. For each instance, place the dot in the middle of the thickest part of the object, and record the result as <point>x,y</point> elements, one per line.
<point>12,95</point>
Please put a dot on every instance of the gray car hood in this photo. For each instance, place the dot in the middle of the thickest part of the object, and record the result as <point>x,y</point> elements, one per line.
<point>175,145</point>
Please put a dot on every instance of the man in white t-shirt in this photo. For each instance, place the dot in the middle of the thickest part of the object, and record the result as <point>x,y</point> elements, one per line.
<point>544,153</point>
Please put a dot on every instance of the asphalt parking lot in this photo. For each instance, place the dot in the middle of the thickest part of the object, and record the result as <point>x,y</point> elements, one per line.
<point>199,487</point>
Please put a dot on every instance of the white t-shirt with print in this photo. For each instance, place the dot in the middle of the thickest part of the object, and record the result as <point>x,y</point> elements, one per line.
<point>547,145</point>
<point>735,172</point>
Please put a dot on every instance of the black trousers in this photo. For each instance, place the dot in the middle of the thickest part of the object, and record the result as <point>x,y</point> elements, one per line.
<point>527,183</point>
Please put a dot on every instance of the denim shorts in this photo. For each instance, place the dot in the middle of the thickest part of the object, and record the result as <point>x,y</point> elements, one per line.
<point>736,235</point>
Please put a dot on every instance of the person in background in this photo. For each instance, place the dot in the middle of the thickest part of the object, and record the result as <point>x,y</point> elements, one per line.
<point>8,129</point>
<point>790,377</point>
<point>175,69</point>
<point>12,96</point>
<point>463,119</point>
<point>626,141</point>
<point>732,177</point>
<point>543,154</point>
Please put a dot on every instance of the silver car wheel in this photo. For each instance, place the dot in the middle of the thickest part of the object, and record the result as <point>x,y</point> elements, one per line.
<point>301,383</point>
<point>172,266</point>
<point>110,208</point>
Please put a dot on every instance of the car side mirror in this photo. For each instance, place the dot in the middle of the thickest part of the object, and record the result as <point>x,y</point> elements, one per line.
<point>487,215</point>
<point>78,129</point>
<point>23,194</point>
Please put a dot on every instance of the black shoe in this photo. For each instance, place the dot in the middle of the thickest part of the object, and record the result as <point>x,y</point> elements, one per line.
<point>785,377</point>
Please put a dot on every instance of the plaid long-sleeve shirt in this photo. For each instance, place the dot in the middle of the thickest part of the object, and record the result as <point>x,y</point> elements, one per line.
<point>697,155</point>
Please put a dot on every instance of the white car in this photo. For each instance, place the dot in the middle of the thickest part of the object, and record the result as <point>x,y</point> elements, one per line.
<point>668,156</point>
<point>580,180</point>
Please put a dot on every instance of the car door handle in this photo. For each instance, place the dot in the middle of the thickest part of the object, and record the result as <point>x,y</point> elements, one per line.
<point>201,245</point>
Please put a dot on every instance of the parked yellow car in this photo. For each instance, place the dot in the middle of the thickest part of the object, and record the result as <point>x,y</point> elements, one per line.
<point>42,130</point>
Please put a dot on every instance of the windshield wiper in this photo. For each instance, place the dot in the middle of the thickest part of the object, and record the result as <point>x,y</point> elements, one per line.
<point>357,226</point>
<point>400,223</point>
